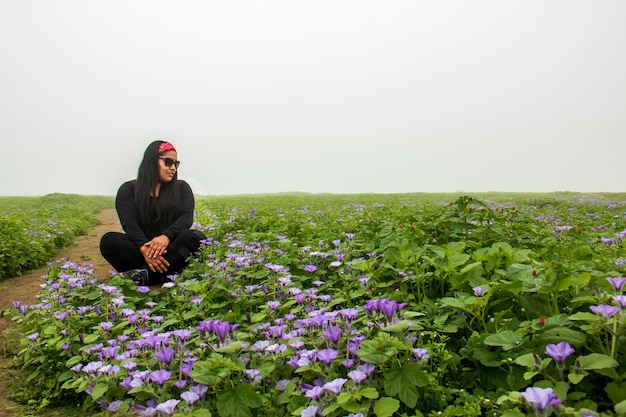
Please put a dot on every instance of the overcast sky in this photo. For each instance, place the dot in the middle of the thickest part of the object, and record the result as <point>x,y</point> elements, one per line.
<point>316,96</point>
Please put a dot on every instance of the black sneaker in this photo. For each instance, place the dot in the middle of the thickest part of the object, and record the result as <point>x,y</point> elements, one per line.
<point>138,276</point>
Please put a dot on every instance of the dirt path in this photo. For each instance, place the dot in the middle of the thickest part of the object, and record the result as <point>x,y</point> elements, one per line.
<point>25,288</point>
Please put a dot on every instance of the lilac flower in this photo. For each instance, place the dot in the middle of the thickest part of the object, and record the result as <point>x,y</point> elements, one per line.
<point>167,407</point>
<point>180,384</point>
<point>335,385</point>
<point>604,310</point>
<point>165,355</point>
<point>196,300</point>
<point>310,268</point>
<point>106,325</point>
<point>559,352</point>
<point>421,354</point>
<point>314,393</point>
<point>478,291</point>
<point>115,406</point>
<point>349,313</point>
<point>254,374</point>
<point>335,264</point>
<point>617,283</point>
<point>273,304</point>
<point>33,336</point>
<point>366,368</point>
<point>363,280</point>
<point>181,334</point>
<point>310,411</point>
<point>199,389</point>
<point>129,365</point>
<point>327,355</point>
<point>143,289</point>
<point>357,376</point>
<point>190,397</point>
<point>160,376</point>
<point>620,300</point>
<point>92,367</point>
<point>349,236</point>
<point>541,398</point>
<point>219,327</point>
<point>333,334</point>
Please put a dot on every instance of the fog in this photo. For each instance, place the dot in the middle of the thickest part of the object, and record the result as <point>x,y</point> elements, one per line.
<point>327,96</point>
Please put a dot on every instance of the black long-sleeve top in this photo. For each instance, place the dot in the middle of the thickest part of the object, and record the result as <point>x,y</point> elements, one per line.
<point>129,219</point>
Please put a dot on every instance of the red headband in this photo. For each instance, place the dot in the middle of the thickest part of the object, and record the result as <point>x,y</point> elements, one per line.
<point>166,146</point>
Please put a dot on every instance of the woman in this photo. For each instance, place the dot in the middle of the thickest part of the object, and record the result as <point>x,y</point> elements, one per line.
<point>156,213</point>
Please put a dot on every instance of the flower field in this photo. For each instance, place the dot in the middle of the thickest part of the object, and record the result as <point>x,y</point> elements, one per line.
<point>34,228</point>
<point>362,305</point>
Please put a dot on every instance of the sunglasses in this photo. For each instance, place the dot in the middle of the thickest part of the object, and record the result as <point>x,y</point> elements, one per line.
<point>169,162</point>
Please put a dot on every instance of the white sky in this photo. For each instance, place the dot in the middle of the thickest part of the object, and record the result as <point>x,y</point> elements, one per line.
<point>317,96</point>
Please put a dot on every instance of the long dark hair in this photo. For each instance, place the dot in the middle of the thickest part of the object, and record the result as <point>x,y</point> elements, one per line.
<point>153,217</point>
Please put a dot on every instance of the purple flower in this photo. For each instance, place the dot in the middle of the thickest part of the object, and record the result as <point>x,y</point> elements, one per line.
<point>559,352</point>
<point>541,398</point>
<point>327,355</point>
<point>273,304</point>
<point>143,289</point>
<point>106,325</point>
<point>478,291</point>
<point>421,354</point>
<point>333,334</point>
<point>115,406</point>
<point>335,385</point>
<point>167,407</point>
<point>190,397</point>
<point>617,283</point>
<point>310,268</point>
<point>165,355</point>
<point>254,374</point>
<point>92,367</point>
<point>310,411</point>
<point>604,310</point>
<point>181,334</point>
<point>620,300</point>
<point>314,393</point>
<point>160,376</point>
<point>357,376</point>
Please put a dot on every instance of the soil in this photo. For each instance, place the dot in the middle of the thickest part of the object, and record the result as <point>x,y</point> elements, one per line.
<point>24,288</point>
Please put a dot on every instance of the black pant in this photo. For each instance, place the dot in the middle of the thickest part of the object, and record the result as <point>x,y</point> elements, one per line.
<point>123,255</point>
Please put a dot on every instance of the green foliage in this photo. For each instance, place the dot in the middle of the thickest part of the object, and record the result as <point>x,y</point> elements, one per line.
<point>397,305</point>
<point>33,229</point>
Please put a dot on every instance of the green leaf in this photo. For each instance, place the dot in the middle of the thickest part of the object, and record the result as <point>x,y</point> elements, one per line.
<point>99,390</point>
<point>563,334</point>
<point>370,393</point>
<point>616,391</point>
<point>404,382</point>
<point>525,360</point>
<point>236,402</point>
<point>201,413</point>
<point>620,408</point>
<point>386,406</point>
<point>369,352</point>
<point>597,361</point>
<point>398,327</point>
<point>519,271</point>
<point>507,339</point>
<point>230,348</point>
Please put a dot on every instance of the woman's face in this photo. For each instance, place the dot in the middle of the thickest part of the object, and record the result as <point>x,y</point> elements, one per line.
<point>166,174</point>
